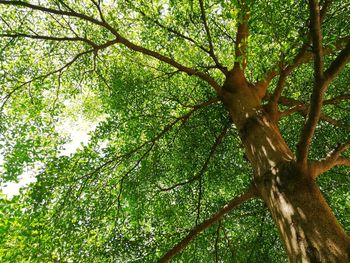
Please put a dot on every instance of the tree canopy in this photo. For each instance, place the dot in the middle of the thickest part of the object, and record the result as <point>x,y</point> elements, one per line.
<point>165,166</point>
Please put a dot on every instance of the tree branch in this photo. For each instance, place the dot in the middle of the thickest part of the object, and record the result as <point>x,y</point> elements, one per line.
<point>182,118</point>
<point>343,161</point>
<point>41,37</point>
<point>217,142</point>
<point>332,159</point>
<point>261,85</point>
<point>247,195</point>
<point>98,7</point>
<point>120,39</point>
<point>8,95</point>
<point>303,108</point>
<point>54,11</point>
<point>316,35</point>
<point>285,73</point>
<point>319,88</point>
<point>304,56</point>
<point>241,40</point>
<point>336,99</point>
<point>210,41</point>
<point>59,70</point>
<point>338,64</point>
<point>189,71</point>
<point>173,31</point>
<point>324,9</point>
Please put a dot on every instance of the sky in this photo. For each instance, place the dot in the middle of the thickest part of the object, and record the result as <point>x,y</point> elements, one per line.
<point>78,130</point>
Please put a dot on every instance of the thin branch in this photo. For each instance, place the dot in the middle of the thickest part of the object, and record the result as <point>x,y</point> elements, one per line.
<point>304,56</point>
<point>122,40</point>
<point>116,160</point>
<point>64,4</point>
<point>98,6</point>
<point>247,195</point>
<point>332,159</point>
<point>223,30</point>
<point>217,239</point>
<point>167,128</point>
<point>121,181</point>
<point>41,37</point>
<point>336,99</point>
<point>54,11</point>
<point>303,108</point>
<point>152,141</point>
<point>230,246</point>
<point>206,163</point>
<point>210,41</point>
<point>59,70</point>
<point>8,95</point>
<point>173,31</point>
<point>199,201</point>
<point>285,73</point>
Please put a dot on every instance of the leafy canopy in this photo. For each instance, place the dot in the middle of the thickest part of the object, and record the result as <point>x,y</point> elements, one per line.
<point>165,156</point>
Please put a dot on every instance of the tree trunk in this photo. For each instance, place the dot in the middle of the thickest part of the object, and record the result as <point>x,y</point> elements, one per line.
<point>307,226</point>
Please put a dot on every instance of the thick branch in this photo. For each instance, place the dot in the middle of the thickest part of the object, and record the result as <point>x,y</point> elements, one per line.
<point>242,40</point>
<point>303,56</point>
<point>343,161</point>
<point>189,71</point>
<point>248,194</point>
<point>261,85</point>
<point>332,159</point>
<point>316,35</point>
<point>122,40</point>
<point>319,88</point>
<point>338,64</point>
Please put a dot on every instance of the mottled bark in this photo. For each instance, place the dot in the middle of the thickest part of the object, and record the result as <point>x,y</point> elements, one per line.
<point>307,226</point>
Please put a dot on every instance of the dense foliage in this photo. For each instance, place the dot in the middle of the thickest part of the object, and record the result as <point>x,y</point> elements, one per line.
<point>165,155</point>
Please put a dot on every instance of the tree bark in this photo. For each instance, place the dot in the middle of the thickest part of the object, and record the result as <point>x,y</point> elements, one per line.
<point>306,224</point>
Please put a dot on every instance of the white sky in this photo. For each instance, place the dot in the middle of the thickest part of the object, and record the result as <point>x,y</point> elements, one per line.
<point>77,130</point>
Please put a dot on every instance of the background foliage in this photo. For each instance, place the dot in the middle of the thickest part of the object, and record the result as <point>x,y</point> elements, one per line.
<point>109,202</point>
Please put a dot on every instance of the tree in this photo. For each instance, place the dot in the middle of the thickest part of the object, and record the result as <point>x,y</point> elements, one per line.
<point>204,99</point>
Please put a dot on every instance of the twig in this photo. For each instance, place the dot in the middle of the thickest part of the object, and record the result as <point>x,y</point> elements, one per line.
<point>247,195</point>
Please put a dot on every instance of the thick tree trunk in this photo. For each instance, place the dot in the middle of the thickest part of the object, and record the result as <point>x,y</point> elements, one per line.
<point>307,226</point>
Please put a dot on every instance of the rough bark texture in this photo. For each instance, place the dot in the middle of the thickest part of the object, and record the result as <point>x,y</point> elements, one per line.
<point>307,226</point>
